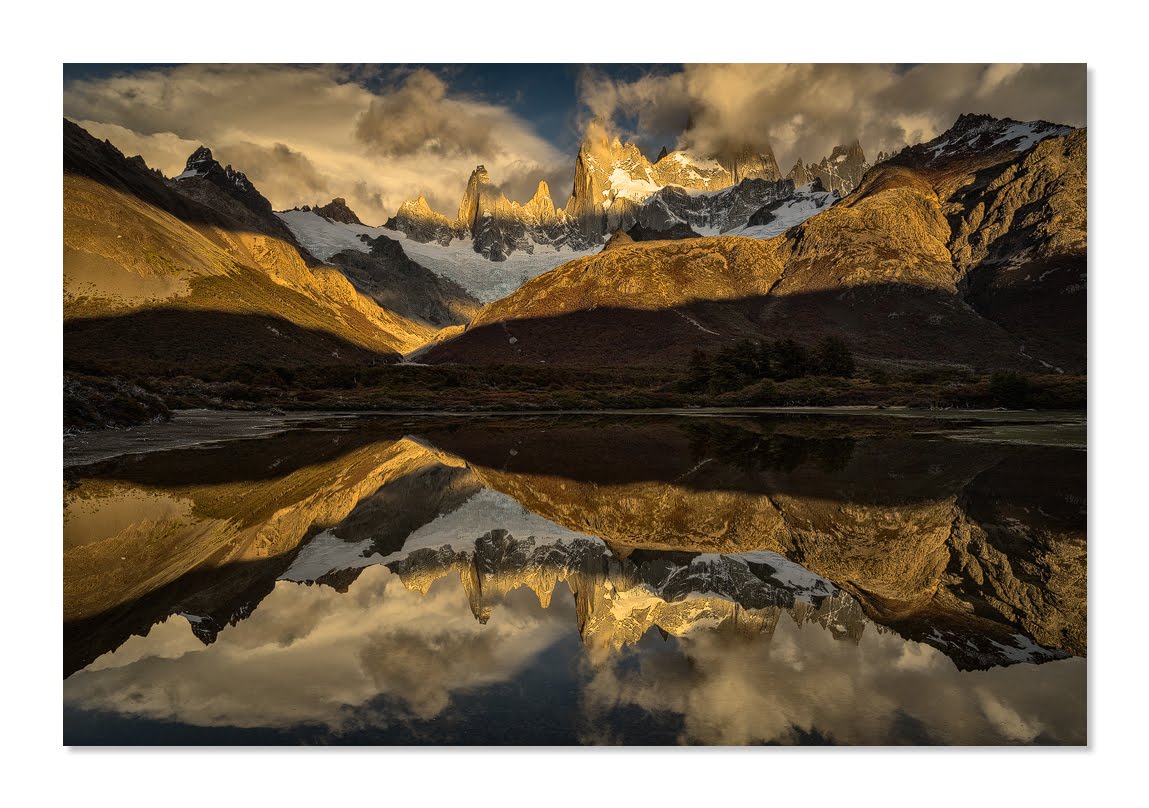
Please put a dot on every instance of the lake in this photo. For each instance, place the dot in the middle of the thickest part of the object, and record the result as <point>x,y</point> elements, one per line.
<point>712,578</point>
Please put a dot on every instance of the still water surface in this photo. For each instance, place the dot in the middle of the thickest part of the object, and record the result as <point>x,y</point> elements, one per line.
<point>733,579</point>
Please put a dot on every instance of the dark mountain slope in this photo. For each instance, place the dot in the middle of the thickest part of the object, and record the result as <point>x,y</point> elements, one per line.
<point>401,285</point>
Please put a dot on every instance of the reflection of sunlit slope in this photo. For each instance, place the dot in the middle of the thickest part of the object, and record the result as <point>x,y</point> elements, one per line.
<point>916,530</point>
<point>944,541</point>
<point>143,264</point>
<point>214,548</point>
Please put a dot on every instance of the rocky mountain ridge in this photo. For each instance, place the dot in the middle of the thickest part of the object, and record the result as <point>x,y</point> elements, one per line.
<point>839,173</point>
<point>968,249</point>
<point>197,272</point>
<point>615,187</point>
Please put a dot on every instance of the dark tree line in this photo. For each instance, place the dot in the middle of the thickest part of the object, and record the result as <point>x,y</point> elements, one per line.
<point>746,362</point>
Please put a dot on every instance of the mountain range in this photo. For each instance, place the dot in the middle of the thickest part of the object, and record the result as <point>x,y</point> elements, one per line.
<point>965,251</point>
<point>616,187</point>
<point>969,249</point>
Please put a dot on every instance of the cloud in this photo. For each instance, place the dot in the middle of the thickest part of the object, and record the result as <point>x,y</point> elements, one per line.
<point>734,690</point>
<point>379,135</point>
<point>419,118</point>
<point>287,173</point>
<point>308,653</point>
<point>304,134</point>
<point>804,110</point>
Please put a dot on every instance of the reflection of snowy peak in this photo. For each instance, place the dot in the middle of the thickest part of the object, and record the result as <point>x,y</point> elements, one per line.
<point>495,545</point>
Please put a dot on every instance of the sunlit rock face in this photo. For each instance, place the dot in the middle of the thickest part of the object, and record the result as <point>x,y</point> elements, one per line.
<point>337,211</point>
<point>421,223</point>
<point>799,175</point>
<point>495,225</point>
<point>842,170</point>
<point>614,187</point>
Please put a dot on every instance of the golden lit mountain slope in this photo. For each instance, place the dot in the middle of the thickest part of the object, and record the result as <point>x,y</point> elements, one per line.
<point>145,267</point>
<point>940,255</point>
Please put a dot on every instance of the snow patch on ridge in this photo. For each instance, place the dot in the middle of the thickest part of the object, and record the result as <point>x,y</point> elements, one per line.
<point>458,261</point>
<point>624,185</point>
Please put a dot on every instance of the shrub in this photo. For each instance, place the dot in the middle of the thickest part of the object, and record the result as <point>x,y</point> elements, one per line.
<point>789,360</point>
<point>832,357</point>
<point>1010,389</point>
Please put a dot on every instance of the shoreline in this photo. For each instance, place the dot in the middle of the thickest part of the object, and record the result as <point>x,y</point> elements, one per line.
<point>197,427</point>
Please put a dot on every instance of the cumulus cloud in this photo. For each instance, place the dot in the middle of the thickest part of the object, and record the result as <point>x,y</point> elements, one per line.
<point>418,117</point>
<point>730,689</point>
<point>310,655</point>
<point>307,133</point>
<point>307,654</point>
<point>288,173</point>
<point>304,134</point>
<point>804,110</point>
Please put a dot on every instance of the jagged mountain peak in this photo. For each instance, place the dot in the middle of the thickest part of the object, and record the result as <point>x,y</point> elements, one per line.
<point>199,163</point>
<point>541,205</point>
<point>204,178</point>
<point>200,155</point>
<point>337,211</point>
<point>799,174</point>
<point>974,134</point>
<point>842,170</point>
<point>846,150</point>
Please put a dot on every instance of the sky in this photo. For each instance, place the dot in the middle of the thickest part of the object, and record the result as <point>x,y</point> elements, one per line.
<point>378,135</point>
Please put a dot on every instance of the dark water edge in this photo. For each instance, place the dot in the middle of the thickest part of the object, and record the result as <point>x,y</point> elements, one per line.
<point>198,427</point>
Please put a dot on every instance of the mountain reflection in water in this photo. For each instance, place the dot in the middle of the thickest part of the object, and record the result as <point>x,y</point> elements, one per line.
<point>792,579</point>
